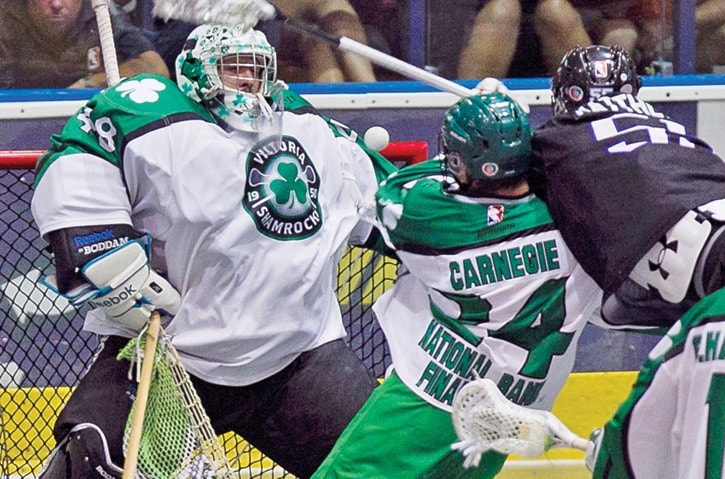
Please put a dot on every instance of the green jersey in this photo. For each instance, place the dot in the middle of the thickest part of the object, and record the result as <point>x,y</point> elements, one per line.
<point>672,425</point>
<point>489,289</point>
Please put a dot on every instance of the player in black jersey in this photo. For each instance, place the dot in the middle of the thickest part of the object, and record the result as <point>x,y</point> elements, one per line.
<point>639,200</point>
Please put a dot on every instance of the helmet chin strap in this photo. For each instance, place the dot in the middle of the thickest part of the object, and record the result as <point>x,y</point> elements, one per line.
<point>266,110</point>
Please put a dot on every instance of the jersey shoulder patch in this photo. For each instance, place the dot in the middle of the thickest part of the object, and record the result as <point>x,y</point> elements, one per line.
<point>147,96</point>
<point>110,118</point>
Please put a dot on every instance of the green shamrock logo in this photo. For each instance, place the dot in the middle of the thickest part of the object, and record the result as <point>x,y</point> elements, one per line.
<point>289,186</point>
<point>144,91</point>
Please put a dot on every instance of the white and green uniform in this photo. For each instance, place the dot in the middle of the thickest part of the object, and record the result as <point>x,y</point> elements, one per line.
<point>672,425</point>
<point>249,236</point>
<point>489,289</point>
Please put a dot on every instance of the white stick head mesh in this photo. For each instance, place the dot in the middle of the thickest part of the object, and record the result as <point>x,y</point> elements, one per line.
<point>484,417</point>
<point>243,13</point>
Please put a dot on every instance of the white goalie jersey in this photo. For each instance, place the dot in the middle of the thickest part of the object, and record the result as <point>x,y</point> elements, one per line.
<point>248,230</point>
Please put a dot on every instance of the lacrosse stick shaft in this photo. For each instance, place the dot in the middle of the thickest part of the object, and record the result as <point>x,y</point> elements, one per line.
<point>563,434</point>
<point>580,443</point>
<point>108,46</point>
<point>379,58</point>
<point>246,14</point>
<point>142,394</point>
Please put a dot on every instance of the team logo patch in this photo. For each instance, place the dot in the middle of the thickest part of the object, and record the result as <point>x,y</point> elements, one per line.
<point>601,69</point>
<point>281,190</point>
<point>495,214</point>
<point>489,169</point>
<point>575,93</point>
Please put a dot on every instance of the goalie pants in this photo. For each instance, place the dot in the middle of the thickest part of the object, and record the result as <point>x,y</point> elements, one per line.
<point>399,435</point>
<point>294,417</point>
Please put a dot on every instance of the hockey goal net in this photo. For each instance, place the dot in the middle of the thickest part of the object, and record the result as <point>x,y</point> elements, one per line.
<point>43,350</point>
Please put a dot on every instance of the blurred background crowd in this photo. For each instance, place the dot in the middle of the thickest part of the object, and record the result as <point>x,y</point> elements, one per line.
<point>53,43</point>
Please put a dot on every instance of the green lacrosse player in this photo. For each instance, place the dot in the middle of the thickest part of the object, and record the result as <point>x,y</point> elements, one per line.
<point>487,288</point>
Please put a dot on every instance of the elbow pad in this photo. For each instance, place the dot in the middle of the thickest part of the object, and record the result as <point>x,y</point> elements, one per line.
<point>101,266</point>
<point>75,247</point>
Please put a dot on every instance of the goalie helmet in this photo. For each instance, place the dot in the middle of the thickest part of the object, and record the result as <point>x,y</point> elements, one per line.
<point>229,70</point>
<point>487,136</point>
<point>590,72</point>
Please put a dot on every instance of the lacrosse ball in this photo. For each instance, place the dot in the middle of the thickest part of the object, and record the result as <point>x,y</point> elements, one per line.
<point>376,138</point>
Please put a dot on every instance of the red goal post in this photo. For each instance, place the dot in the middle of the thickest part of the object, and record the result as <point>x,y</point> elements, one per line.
<point>406,152</point>
<point>43,350</point>
<point>399,152</point>
<point>19,159</point>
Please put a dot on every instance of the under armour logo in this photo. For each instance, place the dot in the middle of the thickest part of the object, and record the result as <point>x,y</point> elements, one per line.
<point>657,266</point>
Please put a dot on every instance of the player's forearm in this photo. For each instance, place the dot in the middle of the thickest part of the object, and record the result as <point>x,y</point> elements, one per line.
<point>710,13</point>
<point>147,62</point>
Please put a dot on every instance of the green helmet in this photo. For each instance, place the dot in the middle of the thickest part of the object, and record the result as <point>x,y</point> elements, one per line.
<point>488,135</point>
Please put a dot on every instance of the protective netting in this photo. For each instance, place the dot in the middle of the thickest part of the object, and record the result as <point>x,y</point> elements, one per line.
<point>43,351</point>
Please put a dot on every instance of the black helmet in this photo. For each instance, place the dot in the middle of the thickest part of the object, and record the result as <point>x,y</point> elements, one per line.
<point>590,72</point>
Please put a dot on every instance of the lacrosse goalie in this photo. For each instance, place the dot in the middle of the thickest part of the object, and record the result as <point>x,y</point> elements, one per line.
<point>225,202</point>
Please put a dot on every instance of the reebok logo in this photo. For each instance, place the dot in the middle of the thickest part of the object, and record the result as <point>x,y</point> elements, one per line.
<point>127,293</point>
<point>104,235</point>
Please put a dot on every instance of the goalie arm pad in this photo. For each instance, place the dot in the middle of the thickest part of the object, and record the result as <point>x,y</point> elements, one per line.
<point>74,247</point>
<point>127,289</point>
<point>109,268</point>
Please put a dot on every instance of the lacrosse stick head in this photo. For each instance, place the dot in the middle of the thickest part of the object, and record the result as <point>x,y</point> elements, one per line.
<point>244,14</point>
<point>231,71</point>
<point>484,420</point>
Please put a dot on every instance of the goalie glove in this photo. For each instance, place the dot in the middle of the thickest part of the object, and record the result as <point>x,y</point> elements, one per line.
<point>128,290</point>
<point>492,85</point>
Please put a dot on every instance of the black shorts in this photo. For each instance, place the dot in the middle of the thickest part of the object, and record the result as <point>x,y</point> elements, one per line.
<point>294,417</point>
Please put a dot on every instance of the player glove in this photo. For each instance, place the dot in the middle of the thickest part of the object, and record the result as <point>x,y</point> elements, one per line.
<point>128,290</point>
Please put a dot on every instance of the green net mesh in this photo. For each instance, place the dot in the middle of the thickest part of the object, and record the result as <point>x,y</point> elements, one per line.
<point>177,440</point>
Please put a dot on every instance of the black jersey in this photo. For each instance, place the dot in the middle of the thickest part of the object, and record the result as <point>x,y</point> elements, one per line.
<point>618,176</point>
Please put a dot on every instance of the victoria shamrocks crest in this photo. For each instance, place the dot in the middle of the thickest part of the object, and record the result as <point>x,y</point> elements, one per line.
<point>281,190</point>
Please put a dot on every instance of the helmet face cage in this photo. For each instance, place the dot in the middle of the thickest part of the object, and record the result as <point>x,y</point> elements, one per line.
<point>213,49</point>
<point>488,137</point>
<point>243,68</point>
<point>590,72</point>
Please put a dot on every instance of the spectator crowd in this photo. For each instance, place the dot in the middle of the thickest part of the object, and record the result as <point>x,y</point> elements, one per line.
<point>54,43</point>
